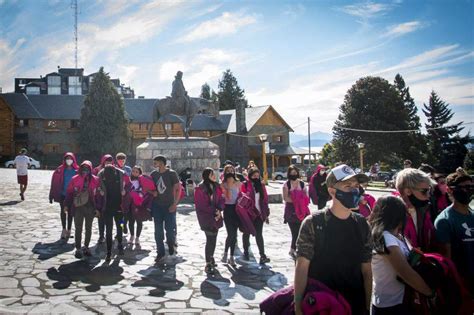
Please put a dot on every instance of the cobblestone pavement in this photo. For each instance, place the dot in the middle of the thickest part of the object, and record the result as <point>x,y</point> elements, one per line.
<point>39,274</point>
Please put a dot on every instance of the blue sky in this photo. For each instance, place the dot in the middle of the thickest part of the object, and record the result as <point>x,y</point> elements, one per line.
<point>300,57</point>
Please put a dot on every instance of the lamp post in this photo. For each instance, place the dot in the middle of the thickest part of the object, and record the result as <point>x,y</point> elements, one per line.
<point>263,138</point>
<point>272,151</point>
<point>361,150</point>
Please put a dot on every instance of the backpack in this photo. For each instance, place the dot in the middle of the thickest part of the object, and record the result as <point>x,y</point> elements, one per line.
<point>441,275</point>
<point>288,184</point>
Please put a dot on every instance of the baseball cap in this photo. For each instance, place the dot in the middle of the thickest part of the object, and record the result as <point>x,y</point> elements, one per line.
<point>342,173</point>
<point>23,150</point>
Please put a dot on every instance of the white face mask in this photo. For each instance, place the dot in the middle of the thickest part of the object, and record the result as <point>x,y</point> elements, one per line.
<point>69,162</point>
<point>322,172</point>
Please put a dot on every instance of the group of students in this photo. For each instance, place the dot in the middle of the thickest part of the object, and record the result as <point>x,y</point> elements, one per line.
<point>360,247</point>
<point>117,195</point>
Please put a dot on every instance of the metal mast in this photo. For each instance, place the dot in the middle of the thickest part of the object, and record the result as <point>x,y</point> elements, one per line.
<point>74,6</point>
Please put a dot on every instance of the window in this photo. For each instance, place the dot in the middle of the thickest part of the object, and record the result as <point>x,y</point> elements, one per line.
<point>278,139</point>
<point>23,123</point>
<point>54,90</point>
<point>168,127</point>
<point>75,90</point>
<point>54,80</point>
<point>51,148</point>
<point>74,124</point>
<point>33,90</point>
<point>119,90</point>
<point>91,79</point>
<point>73,80</point>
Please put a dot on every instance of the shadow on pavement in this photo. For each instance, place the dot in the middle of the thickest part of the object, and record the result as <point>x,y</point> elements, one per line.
<point>161,276</point>
<point>87,271</point>
<point>50,250</point>
<point>10,203</point>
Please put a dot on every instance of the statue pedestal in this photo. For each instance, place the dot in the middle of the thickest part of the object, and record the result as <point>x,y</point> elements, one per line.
<point>181,153</point>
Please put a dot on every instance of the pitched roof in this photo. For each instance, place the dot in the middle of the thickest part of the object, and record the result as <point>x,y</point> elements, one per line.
<point>58,106</point>
<point>21,106</point>
<point>71,71</point>
<point>252,115</point>
<point>206,122</point>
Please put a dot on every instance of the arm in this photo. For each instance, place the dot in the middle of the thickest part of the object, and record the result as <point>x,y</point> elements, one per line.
<point>286,195</point>
<point>301,279</point>
<point>443,236</point>
<point>406,272</point>
<point>366,269</point>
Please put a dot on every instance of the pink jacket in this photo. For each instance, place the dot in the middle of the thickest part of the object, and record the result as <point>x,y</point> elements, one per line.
<point>301,203</point>
<point>247,187</point>
<point>57,180</point>
<point>425,238</point>
<point>206,208</point>
<point>97,169</point>
<point>312,190</point>
<point>76,185</point>
<point>366,209</point>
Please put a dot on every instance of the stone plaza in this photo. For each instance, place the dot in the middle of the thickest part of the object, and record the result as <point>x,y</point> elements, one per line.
<point>39,274</point>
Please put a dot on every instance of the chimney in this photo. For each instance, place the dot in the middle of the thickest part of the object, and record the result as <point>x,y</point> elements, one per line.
<point>240,118</point>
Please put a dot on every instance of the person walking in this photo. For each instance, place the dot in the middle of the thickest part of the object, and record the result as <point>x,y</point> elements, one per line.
<point>57,192</point>
<point>165,203</point>
<point>231,187</point>
<point>22,163</point>
<point>107,159</point>
<point>209,203</point>
<point>80,203</point>
<point>257,192</point>
<point>318,190</point>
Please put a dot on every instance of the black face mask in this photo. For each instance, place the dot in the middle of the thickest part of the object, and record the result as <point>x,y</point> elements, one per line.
<point>462,196</point>
<point>293,177</point>
<point>350,199</point>
<point>255,180</point>
<point>229,175</point>
<point>85,171</point>
<point>417,203</point>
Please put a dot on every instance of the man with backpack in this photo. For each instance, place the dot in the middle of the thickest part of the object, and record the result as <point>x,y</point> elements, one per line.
<point>333,246</point>
<point>455,227</point>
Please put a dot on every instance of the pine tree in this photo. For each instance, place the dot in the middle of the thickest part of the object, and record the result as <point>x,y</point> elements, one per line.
<point>229,93</point>
<point>372,103</point>
<point>206,91</point>
<point>104,126</point>
<point>415,144</point>
<point>447,149</point>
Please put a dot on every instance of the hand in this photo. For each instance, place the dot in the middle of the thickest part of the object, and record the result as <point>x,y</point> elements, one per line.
<point>218,215</point>
<point>97,213</point>
<point>267,221</point>
<point>66,210</point>
<point>173,208</point>
<point>123,192</point>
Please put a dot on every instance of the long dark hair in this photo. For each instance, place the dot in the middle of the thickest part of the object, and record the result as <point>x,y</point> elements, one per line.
<point>292,167</point>
<point>210,185</point>
<point>389,213</point>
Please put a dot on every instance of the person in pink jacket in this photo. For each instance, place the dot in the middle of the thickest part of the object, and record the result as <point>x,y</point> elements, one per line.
<point>80,202</point>
<point>256,190</point>
<point>57,193</point>
<point>209,203</point>
<point>366,201</point>
<point>318,190</point>
<point>415,189</point>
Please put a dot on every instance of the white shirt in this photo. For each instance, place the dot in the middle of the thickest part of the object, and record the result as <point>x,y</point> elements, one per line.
<point>257,202</point>
<point>21,163</point>
<point>387,290</point>
<point>412,212</point>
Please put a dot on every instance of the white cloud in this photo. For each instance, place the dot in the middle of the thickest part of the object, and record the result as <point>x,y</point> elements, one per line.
<point>403,28</point>
<point>294,11</point>
<point>9,63</point>
<point>366,10</point>
<point>227,23</point>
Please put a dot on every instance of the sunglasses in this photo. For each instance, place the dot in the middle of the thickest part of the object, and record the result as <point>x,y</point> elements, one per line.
<point>424,191</point>
<point>464,187</point>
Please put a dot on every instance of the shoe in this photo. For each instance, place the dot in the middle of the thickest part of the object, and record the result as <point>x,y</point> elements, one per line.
<point>63,234</point>
<point>209,269</point>
<point>137,241</point>
<point>171,250</point>
<point>159,258</point>
<point>246,256</point>
<point>292,253</point>
<point>125,229</point>
<point>101,240</point>
<point>231,262</point>
<point>130,241</point>
<point>120,251</point>
<point>108,257</point>
<point>86,252</point>
<point>213,262</point>
<point>68,234</point>
<point>22,196</point>
<point>224,258</point>
<point>264,259</point>
<point>78,254</point>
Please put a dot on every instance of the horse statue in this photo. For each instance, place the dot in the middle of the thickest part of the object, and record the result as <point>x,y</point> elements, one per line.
<point>183,111</point>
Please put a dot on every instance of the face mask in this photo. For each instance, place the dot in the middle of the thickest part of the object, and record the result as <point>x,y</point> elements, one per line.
<point>417,203</point>
<point>322,172</point>
<point>229,175</point>
<point>121,162</point>
<point>69,162</point>
<point>350,199</point>
<point>255,180</point>
<point>85,171</point>
<point>133,177</point>
<point>293,177</point>
<point>462,196</point>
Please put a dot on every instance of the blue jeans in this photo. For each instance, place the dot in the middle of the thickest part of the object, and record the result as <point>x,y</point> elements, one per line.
<point>162,215</point>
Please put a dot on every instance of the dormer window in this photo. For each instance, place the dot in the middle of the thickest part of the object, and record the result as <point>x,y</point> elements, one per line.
<point>33,90</point>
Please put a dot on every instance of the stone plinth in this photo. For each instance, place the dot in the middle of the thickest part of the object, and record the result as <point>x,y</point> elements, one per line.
<point>182,153</point>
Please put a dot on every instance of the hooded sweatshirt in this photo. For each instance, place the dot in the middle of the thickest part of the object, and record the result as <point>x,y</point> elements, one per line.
<point>80,183</point>
<point>316,186</point>
<point>59,181</point>
<point>102,163</point>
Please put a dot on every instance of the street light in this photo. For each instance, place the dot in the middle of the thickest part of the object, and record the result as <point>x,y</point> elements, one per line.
<point>263,138</point>
<point>272,151</point>
<point>361,150</point>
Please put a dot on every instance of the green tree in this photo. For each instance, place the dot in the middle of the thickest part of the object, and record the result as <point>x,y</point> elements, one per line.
<point>469,162</point>
<point>372,103</point>
<point>229,93</point>
<point>206,91</point>
<point>415,143</point>
<point>104,126</point>
<point>446,148</point>
<point>328,157</point>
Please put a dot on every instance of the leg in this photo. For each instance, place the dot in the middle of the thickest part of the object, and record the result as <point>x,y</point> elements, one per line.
<point>139,228</point>
<point>210,248</point>
<point>118,218</point>
<point>158,219</point>
<point>131,223</point>
<point>101,222</point>
<point>109,225</point>
<point>246,243</point>
<point>63,214</point>
<point>170,227</point>
<point>79,219</point>
<point>89,220</point>
<point>295,229</point>
<point>259,236</point>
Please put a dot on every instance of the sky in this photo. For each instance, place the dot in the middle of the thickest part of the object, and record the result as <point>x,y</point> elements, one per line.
<point>300,57</point>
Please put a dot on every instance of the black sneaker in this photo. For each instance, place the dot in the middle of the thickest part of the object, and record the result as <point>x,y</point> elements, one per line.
<point>159,258</point>
<point>120,251</point>
<point>246,256</point>
<point>101,240</point>
<point>78,254</point>
<point>213,262</point>
<point>22,196</point>
<point>108,257</point>
<point>125,229</point>
<point>171,249</point>
<point>86,251</point>
<point>264,259</point>
<point>209,269</point>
